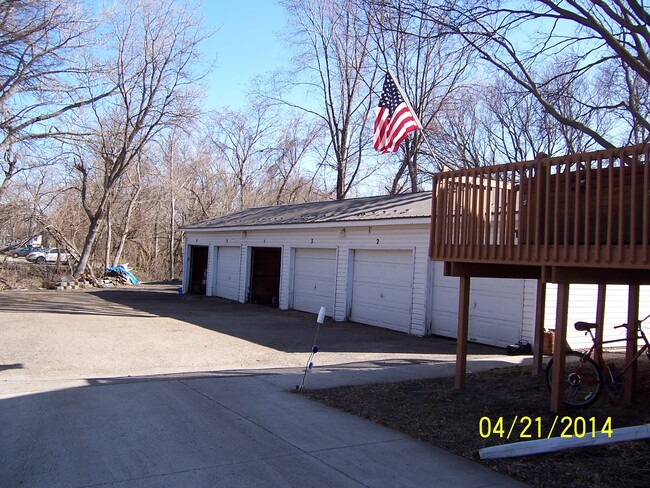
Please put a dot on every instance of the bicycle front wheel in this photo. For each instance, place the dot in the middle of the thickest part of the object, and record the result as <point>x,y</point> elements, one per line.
<point>582,380</point>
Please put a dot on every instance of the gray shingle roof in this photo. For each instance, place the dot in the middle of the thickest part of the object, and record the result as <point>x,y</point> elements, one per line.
<point>410,205</point>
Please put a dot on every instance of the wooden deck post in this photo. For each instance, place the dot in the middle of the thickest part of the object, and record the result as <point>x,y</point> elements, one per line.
<point>540,305</point>
<point>463,326</point>
<point>631,346</point>
<point>557,379</point>
<point>600,320</point>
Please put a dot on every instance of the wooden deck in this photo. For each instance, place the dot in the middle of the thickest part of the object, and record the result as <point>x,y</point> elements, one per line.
<point>583,218</point>
<point>588,210</point>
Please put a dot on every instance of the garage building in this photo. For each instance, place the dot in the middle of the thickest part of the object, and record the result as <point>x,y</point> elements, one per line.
<point>363,259</point>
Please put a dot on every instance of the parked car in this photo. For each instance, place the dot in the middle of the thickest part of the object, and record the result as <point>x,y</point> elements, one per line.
<point>7,248</point>
<point>24,251</point>
<point>48,256</point>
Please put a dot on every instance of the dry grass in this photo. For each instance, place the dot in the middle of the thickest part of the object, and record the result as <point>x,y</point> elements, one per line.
<point>18,274</point>
<point>431,410</point>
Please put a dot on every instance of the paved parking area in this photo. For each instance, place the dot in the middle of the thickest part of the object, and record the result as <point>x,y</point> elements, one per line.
<point>143,387</point>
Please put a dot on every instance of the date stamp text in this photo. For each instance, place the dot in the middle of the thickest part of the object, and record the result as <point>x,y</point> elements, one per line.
<point>525,427</point>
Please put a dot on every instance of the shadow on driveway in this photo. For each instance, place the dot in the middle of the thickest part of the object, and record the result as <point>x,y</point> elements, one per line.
<point>283,330</point>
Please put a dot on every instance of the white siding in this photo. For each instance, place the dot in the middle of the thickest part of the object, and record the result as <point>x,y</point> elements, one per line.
<point>285,276</point>
<point>341,298</point>
<point>421,304</point>
<point>528,310</point>
<point>209,275</point>
<point>444,315</point>
<point>582,306</point>
<point>244,273</point>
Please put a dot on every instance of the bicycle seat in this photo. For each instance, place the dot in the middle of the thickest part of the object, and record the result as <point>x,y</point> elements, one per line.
<point>584,326</point>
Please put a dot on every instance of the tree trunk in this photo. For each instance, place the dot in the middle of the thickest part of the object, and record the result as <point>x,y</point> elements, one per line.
<point>109,236</point>
<point>91,237</point>
<point>156,244</point>
<point>125,230</point>
<point>172,237</point>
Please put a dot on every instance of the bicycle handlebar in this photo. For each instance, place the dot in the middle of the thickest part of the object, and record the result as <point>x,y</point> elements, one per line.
<point>639,322</point>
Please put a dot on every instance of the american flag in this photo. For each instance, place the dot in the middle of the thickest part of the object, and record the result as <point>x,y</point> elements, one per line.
<point>394,119</point>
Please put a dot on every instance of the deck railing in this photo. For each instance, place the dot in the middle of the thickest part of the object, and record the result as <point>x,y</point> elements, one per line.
<point>589,209</point>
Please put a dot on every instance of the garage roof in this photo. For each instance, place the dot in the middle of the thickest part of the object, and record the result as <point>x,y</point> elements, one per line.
<point>409,205</point>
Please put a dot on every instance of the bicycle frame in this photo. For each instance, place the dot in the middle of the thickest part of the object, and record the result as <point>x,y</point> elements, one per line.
<point>601,363</point>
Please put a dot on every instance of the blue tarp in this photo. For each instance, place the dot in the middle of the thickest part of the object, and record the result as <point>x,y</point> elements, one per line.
<point>123,271</point>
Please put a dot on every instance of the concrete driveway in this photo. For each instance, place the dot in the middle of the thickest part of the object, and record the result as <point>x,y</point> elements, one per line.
<point>142,387</point>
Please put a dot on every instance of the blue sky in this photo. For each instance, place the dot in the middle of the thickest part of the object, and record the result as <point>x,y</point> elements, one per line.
<point>246,45</point>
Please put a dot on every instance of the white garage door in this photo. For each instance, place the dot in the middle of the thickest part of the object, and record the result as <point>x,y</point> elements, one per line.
<point>496,311</point>
<point>228,272</point>
<point>314,276</point>
<point>495,308</point>
<point>382,288</point>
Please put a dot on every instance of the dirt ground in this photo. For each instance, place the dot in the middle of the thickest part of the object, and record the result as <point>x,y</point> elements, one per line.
<point>431,410</point>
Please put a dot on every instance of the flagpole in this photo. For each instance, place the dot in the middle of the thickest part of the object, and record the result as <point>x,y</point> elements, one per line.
<point>405,98</point>
<point>442,167</point>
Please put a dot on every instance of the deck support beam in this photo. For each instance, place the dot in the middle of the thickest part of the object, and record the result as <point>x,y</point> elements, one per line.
<point>557,379</point>
<point>600,321</point>
<point>631,346</point>
<point>538,339</point>
<point>463,329</point>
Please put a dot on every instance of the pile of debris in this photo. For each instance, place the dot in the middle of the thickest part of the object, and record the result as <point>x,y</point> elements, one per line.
<point>114,276</point>
<point>68,282</point>
<point>121,275</point>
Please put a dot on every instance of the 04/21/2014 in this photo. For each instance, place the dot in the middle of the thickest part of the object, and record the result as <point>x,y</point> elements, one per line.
<point>526,427</point>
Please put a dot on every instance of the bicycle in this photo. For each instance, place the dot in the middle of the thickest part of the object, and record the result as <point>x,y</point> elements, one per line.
<point>585,378</point>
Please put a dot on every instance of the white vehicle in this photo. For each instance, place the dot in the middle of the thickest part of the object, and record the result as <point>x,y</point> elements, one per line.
<point>51,255</point>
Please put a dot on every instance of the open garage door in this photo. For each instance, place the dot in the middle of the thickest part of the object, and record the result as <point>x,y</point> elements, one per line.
<point>382,288</point>
<point>314,279</point>
<point>265,275</point>
<point>198,269</point>
<point>227,272</point>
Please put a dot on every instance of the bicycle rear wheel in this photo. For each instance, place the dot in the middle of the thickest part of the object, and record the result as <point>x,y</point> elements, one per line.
<point>582,380</point>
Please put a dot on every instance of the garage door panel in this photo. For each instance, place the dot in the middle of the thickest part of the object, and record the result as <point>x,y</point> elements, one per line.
<point>228,272</point>
<point>492,331</point>
<point>495,309</point>
<point>382,288</point>
<point>495,314</point>
<point>314,280</point>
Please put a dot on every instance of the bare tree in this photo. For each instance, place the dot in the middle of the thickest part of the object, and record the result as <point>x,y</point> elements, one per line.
<point>285,181</point>
<point>155,44</point>
<point>40,47</point>
<point>243,140</point>
<point>431,69</point>
<point>185,176</point>
<point>588,40</point>
<point>131,199</point>
<point>499,122</point>
<point>337,70</point>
